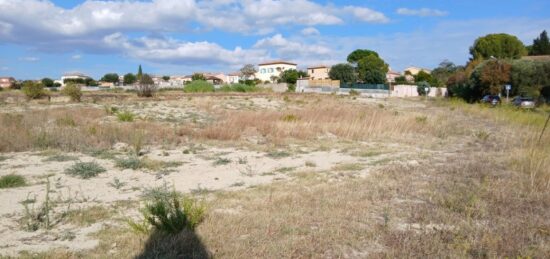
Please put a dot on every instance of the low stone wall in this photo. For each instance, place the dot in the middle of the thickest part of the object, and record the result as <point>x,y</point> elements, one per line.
<point>411,91</point>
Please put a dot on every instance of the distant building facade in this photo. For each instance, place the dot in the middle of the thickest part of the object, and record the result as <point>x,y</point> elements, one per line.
<point>270,70</point>
<point>415,70</point>
<point>73,76</point>
<point>6,82</point>
<point>318,72</point>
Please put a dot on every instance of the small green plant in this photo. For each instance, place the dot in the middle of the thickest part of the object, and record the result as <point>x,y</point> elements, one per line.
<point>34,219</point>
<point>222,161</point>
<point>73,91</point>
<point>125,116</point>
<point>290,118</point>
<point>117,183</point>
<point>137,138</point>
<point>278,154</point>
<point>60,158</point>
<point>482,135</point>
<point>12,181</point>
<point>85,170</point>
<point>132,162</point>
<point>169,213</point>
<point>353,92</point>
<point>421,119</point>
<point>310,164</point>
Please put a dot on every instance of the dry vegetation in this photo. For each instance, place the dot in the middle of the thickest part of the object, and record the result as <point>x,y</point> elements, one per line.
<point>423,179</point>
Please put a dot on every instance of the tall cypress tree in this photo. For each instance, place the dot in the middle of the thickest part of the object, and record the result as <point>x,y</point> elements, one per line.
<point>139,73</point>
<point>541,45</point>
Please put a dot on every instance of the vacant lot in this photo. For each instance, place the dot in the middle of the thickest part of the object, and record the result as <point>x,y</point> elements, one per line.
<point>281,175</point>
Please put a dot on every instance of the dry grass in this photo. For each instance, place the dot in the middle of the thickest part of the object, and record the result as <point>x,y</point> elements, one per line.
<point>479,185</point>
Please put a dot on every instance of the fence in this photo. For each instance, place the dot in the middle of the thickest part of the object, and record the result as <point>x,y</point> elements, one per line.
<point>364,86</point>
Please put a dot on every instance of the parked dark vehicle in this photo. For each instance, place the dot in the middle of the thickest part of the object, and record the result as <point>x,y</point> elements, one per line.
<point>524,102</point>
<point>491,99</point>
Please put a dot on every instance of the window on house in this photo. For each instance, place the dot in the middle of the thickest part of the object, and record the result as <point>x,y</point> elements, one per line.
<point>271,70</point>
<point>262,71</point>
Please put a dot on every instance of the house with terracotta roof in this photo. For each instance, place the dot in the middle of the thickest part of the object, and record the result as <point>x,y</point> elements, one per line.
<point>270,71</point>
<point>318,72</point>
<point>6,82</point>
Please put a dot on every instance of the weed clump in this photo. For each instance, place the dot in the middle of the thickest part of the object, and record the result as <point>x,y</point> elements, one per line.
<point>85,170</point>
<point>125,116</point>
<point>170,213</point>
<point>12,181</point>
<point>73,91</point>
<point>198,86</point>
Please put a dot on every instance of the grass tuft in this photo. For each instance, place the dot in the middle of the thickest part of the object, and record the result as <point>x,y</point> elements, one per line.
<point>85,170</point>
<point>12,181</point>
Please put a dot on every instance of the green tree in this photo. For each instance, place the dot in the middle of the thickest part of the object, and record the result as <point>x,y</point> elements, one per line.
<point>47,82</point>
<point>358,54</point>
<point>530,78</point>
<point>343,72</point>
<point>111,78</point>
<point>441,74</point>
<point>166,78</point>
<point>500,46</point>
<point>291,76</point>
<point>423,76</point>
<point>372,69</point>
<point>139,73</point>
<point>198,76</point>
<point>146,86</point>
<point>129,79</point>
<point>248,71</point>
<point>541,45</point>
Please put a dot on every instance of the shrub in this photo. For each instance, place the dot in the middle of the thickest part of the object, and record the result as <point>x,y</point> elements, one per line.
<point>85,170</point>
<point>290,118</point>
<point>353,92</point>
<point>33,90</point>
<point>12,181</point>
<point>198,86</point>
<point>421,88</point>
<point>125,116</point>
<point>174,214</point>
<point>243,88</point>
<point>73,91</point>
<point>132,162</point>
<point>146,86</point>
<point>291,88</point>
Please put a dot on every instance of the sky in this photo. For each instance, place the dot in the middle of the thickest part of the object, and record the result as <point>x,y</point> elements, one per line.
<point>41,38</point>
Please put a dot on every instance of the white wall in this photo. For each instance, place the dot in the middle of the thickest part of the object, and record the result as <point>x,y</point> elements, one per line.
<point>410,91</point>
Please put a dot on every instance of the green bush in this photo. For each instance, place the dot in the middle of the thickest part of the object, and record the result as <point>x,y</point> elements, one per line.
<point>73,91</point>
<point>174,214</point>
<point>420,88</point>
<point>132,162</point>
<point>243,88</point>
<point>12,181</point>
<point>85,170</point>
<point>125,116</point>
<point>33,90</point>
<point>353,92</point>
<point>198,86</point>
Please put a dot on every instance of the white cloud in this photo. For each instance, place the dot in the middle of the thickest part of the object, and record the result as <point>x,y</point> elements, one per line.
<point>4,68</point>
<point>310,31</point>
<point>29,59</point>
<point>180,52</point>
<point>76,57</point>
<point>293,50</point>
<point>366,14</point>
<point>421,12</point>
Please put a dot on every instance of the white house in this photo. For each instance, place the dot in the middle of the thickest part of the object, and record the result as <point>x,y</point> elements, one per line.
<point>270,70</point>
<point>74,75</point>
<point>233,78</point>
<point>318,72</point>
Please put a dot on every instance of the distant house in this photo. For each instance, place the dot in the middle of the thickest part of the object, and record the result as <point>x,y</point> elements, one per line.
<point>391,76</point>
<point>270,70</point>
<point>73,76</point>
<point>214,79</point>
<point>415,70</point>
<point>318,72</point>
<point>233,78</point>
<point>6,82</point>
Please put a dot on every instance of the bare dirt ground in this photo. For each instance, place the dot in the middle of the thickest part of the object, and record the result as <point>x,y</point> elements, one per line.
<point>283,176</point>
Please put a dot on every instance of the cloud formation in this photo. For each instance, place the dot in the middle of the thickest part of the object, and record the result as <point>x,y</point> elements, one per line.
<point>423,12</point>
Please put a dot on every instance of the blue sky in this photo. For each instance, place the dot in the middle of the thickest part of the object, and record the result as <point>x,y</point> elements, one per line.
<point>41,38</point>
